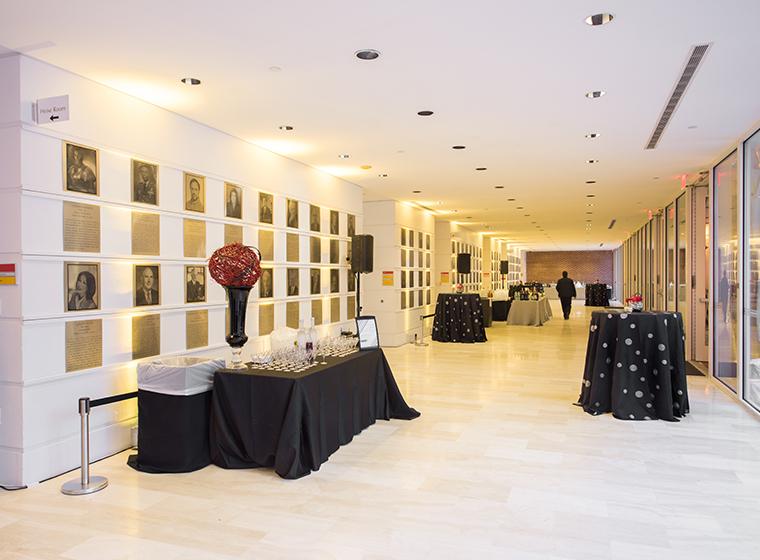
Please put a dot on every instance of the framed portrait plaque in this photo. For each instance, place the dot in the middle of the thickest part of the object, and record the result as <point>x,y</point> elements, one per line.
<point>82,286</point>
<point>195,192</point>
<point>81,169</point>
<point>144,182</point>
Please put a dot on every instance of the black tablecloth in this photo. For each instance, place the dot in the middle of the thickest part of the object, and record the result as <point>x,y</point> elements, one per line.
<point>487,314</point>
<point>501,310</point>
<point>459,318</point>
<point>598,295</point>
<point>635,366</point>
<point>172,432</point>
<point>295,421</point>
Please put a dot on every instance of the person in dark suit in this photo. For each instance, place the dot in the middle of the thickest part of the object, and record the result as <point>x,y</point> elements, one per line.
<point>147,294</point>
<point>566,292</point>
<point>196,291</point>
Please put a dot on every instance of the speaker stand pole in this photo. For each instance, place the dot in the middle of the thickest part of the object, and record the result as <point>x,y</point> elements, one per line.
<point>358,294</point>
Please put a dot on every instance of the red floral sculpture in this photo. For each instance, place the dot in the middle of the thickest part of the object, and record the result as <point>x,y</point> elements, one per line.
<point>235,265</point>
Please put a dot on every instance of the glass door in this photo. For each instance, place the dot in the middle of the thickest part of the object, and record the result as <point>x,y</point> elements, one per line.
<point>751,388</point>
<point>700,270</point>
<point>670,257</point>
<point>725,240</point>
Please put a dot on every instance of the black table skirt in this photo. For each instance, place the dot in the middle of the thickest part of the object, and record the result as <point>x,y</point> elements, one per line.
<point>295,421</point>
<point>598,295</point>
<point>635,366</point>
<point>501,310</point>
<point>459,318</point>
<point>172,432</point>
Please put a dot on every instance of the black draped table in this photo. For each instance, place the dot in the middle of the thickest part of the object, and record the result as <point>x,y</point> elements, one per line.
<point>459,318</point>
<point>635,366</point>
<point>598,295</point>
<point>294,421</point>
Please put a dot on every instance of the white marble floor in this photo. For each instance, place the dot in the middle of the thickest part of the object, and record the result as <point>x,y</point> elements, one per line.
<point>500,465</point>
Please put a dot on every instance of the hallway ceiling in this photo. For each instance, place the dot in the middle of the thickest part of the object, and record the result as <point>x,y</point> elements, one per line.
<point>506,79</point>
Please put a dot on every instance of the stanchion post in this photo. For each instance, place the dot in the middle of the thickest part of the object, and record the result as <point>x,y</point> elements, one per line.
<point>85,484</point>
<point>421,341</point>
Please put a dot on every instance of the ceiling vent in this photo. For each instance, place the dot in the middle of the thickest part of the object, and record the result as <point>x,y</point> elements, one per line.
<point>612,224</point>
<point>695,59</point>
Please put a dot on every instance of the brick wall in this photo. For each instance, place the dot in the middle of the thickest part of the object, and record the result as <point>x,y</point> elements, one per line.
<point>583,266</point>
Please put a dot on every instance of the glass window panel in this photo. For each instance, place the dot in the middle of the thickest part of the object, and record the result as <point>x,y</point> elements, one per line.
<point>670,257</point>
<point>681,267</point>
<point>725,275</point>
<point>752,260</point>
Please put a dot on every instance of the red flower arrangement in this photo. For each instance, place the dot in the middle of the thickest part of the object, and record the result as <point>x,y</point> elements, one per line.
<point>636,302</point>
<point>235,265</point>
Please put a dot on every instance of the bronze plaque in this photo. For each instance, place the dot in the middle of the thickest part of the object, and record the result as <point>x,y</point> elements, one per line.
<point>315,218</point>
<point>196,328</point>
<point>293,284</point>
<point>266,319</point>
<point>334,251</point>
<point>81,169</point>
<point>291,249</point>
<point>81,227</point>
<point>266,283</point>
<point>316,311</point>
<point>146,233</point>
<point>334,222</point>
<point>316,249</point>
<point>292,314</point>
<point>84,344</point>
<point>266,244</point>
<point>233,234</point>
<point>351,225</point>
<point>351,309</point>
<point>233,201</point>
<point>146,336</point>
<point>335,310</point>
<point>266,204</point>
<point>195,238</point>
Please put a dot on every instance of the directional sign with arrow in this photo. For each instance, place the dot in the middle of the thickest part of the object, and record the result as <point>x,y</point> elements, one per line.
<point>53,109</point>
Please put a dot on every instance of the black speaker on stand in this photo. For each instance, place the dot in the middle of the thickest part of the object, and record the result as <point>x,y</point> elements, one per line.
<point>464,265</point>
<point>504,269</point>
<point>362,258</point>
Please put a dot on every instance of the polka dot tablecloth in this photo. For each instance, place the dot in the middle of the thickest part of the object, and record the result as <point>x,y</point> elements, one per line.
<point>635,366</point>
<point>597,295</point>
<point>459,318</point>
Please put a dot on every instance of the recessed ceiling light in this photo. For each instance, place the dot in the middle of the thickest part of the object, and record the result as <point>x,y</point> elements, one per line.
<point>365,167</point>
<point>589,212</point>
<point>590,182</point>
<point>692,127</point>
<point>367,54</point>
<point>343,156</point>
<point>590,204</point>
<point>521,207</point>
<point>191,81</point>
<point>655,178</point>
<point>592,161</point>
<point>590,195</point>
<point>468,217</point>
<point>526,215</point>
<point>416,192</point>
<point>499,187</point>
<point>275,68</point>
<point>382,175</point>
<point>285,127</point>
<point>511,199</point>
<point>424,113</point>
<point>457,147</point>
<point>480,168</point>
<point>599,19</point>
<point>595,94</point>
<point>592,135</point>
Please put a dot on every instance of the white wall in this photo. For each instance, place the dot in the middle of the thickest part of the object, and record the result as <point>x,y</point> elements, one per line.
<point>39,424</point>
<point>385,220</point>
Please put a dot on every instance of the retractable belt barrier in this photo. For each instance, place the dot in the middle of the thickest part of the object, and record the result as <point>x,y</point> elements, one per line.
<point>421,341</point>
<point>87,484</point>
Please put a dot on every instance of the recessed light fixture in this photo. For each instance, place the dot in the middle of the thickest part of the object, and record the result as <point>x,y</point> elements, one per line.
<point>599,19</point>
<point>655,178</point>
<point>457,147</point>
<point>590,204</point>
<point>511,199</point>
<point>275,68</point>
<point>365,167</point>
<point>592,135</point>
<point>416,192</point>
<point>343,156</point>
<point>521,207</point>
<point>596,94</point>
<point>285,127</point>
<point>191,81</point>
<point>592,161</point>
<point>382,175</point>
<point>367,54</point>
<point>480,168</point>
<point>468,217</point>
<point>590,195</point>
<point>424,113</point>
<point>526,215</point>
<point>692,127</point>
<point>590,182</point>
<point>499,187</point>
<point>589,212</point>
